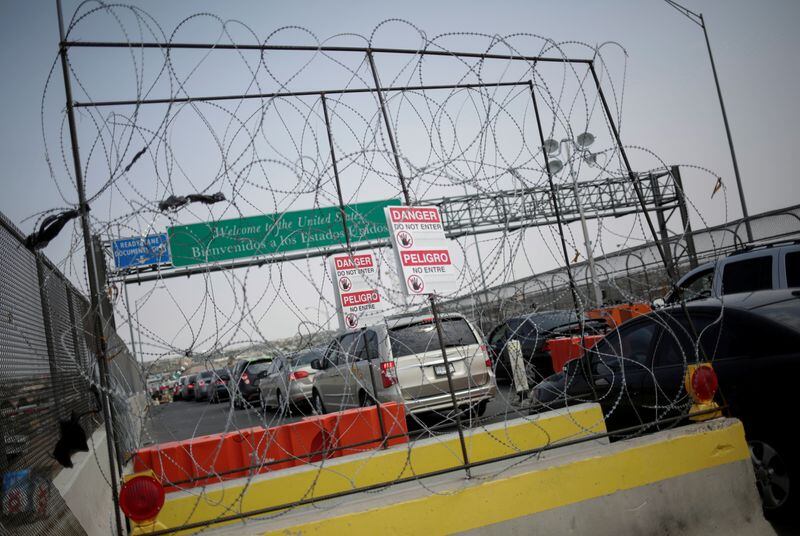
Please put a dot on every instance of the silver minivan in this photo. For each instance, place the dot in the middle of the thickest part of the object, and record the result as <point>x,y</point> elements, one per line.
<point>401,361</point>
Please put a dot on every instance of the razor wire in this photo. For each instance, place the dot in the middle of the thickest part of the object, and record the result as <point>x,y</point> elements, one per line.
<point>243,131</point>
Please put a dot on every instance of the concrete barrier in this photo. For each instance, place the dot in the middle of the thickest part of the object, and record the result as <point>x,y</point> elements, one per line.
<point>692,480</point>
<point>327,477</point>
<point>85,487</point>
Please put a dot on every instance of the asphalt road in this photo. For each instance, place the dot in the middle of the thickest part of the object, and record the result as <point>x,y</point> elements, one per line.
<point>176,421</point>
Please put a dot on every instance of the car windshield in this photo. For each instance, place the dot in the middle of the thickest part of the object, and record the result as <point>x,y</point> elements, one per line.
<point>421,337</point>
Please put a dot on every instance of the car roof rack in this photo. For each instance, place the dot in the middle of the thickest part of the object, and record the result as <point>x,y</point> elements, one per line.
<point>755,247</point>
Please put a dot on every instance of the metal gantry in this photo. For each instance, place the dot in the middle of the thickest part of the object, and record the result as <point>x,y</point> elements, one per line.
<point>490,212</point>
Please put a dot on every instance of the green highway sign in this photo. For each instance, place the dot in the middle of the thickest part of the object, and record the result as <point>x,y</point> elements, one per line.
<point>267,234</point>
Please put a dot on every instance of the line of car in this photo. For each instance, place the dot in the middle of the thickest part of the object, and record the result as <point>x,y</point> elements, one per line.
<point>741,313</point>
<point>400,361</point>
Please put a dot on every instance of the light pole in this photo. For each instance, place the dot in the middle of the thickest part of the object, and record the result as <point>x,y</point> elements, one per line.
<point>697,18</point>
<point>581,144</point>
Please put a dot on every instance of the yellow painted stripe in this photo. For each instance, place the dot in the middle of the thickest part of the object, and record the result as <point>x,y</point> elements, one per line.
<point>501,500</point>
<point>379,467</point>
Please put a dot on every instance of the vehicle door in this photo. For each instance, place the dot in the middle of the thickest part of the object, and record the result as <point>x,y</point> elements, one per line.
<point>331,380</point>
<point>663,394</point>
<point>497,346</point>
<point>352,376</point>
<point>267,383</point>
<point>279,380</point>
<point>365,367</point>
<point>619,364</point>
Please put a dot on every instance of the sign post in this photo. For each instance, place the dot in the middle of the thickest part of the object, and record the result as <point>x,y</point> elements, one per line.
<point>358,299</point>
<point>426,267</point>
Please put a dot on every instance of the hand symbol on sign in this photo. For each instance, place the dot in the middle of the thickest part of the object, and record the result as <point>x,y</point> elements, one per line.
<point>405,239</point>
<point>416,284</point>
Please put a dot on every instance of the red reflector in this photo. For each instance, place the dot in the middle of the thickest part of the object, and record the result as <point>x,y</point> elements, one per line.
<point>488,362</point>
<point>201,383</point>
<point>141,498</point>
<point>245,378</point>
<point>704,383</point>
<point>388,373</point>
<point>298,375</point>
<point>191,386</point>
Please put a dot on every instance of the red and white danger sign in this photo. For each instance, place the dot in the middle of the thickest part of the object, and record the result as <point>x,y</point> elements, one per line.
<point>358,300</point>
<point>422,250</point>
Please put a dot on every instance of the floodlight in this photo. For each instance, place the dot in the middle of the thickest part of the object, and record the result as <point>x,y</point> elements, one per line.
<point>551,146</point>
<point>584,140</point>
<point>554,166</point>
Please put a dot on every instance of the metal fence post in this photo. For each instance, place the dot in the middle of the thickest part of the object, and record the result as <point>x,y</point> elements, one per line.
<point>449,374</point>
<point>94,283</point>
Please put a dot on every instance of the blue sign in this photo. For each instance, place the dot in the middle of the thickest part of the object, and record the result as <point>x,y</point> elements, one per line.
<point>140,251</point>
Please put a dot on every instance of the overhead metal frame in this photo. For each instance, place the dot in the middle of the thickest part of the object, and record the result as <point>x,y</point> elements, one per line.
<point>552,191</point>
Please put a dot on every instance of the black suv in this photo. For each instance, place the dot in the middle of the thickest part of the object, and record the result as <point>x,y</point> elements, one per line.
<point>752,340</point>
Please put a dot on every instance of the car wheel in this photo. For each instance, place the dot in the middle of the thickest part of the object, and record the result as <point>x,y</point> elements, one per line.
<point>317,404</point>
<point>772,476</point>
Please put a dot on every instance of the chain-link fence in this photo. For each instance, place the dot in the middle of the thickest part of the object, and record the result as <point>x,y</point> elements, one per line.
<point>48,376</point>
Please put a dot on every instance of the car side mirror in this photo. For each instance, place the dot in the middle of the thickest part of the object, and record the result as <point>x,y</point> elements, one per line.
<point>658,303</point>
<point>316,364</point>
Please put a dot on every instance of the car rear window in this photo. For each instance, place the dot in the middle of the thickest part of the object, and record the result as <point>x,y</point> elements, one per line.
<point>547,321</point>
<point>421,337</point>
<point>259,366</point>
<point>747,275</point>
<point>308,357</point>
<point>793,269</point>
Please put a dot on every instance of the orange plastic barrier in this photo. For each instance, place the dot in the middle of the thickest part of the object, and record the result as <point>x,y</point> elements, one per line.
<point>614,315</point>
<point>214,458</point>
<point>563,349</point>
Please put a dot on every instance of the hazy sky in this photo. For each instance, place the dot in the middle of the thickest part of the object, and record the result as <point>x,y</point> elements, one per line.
<point>670,107</point>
